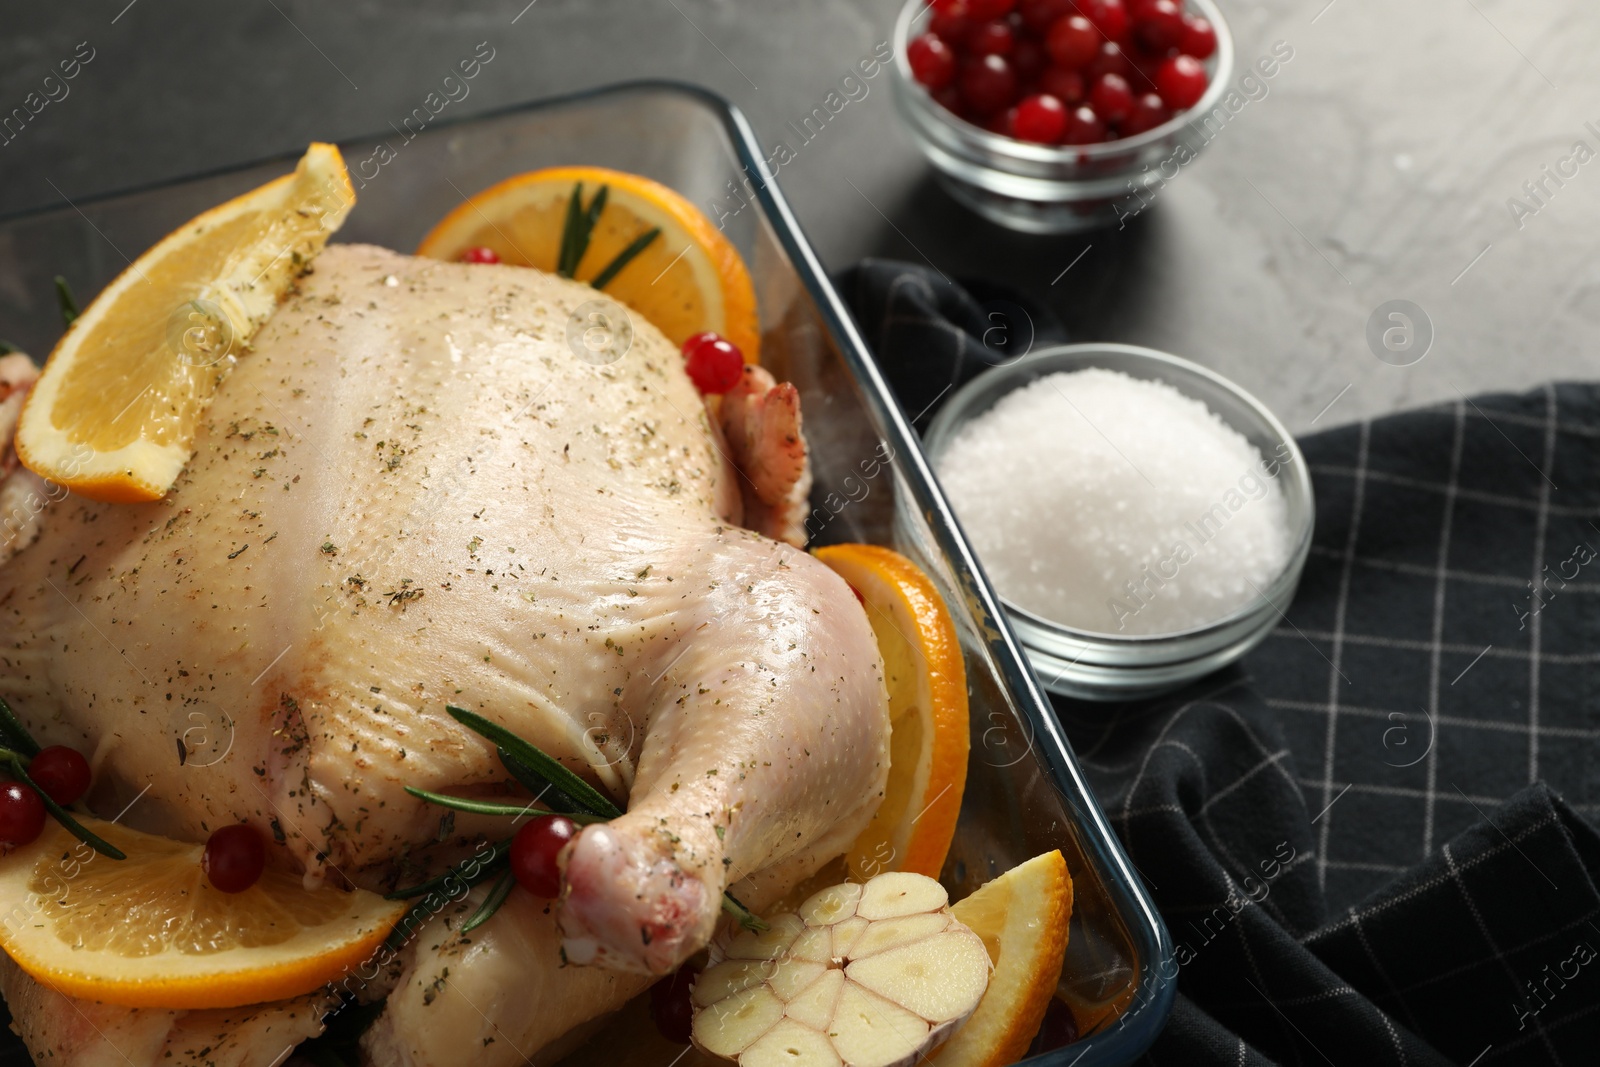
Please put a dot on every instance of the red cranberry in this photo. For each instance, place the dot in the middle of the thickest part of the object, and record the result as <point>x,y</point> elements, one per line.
<point>1145,64</point>
<point>1181,81</point>
<point>1040,118</point>
<point>1058,1029</point>
<point>234,858</point>
<point>1199,37</point>
<point>950,99</point>
<point>1160,25</point>
<point>1111,98</point>
<point>480,254</point>
<point>1065,85</point>
<point>1028,59</point>
<point>670,1005</point>
<point>990,9</point>
<point>61,772</point>
<point>21,815</point>
<point>933,63</point>
<point>991,38</point>
<point>1083,126</point>
<point>714,363</point>
<point>534,851</point>
<point>1039,15</point>
<point>988,84</point>
<point>951,22</point>
<point>1072,41</point>
<point>1148,112</point>
<point>1110,17</point>
<point>1003,123</point>
<point>1109,59</point>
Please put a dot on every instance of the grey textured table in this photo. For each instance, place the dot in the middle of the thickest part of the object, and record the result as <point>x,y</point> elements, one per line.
<point>1379,165</point>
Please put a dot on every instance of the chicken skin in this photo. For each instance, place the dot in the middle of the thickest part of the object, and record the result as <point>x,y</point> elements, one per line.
<point>413,492</point>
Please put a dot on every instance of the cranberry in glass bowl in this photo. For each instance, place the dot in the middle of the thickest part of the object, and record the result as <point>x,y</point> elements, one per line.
<point>1133,112</point>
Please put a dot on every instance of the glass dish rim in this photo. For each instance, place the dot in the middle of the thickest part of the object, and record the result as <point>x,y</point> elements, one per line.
<point>1155,989</point>
<point>943,429</point>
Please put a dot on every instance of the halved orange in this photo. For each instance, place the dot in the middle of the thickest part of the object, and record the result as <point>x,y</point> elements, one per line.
<point>114,414</point>
<point>1023,918</point>
<point>688,279</point>
<point>150,931</point>
<point>927,682</point>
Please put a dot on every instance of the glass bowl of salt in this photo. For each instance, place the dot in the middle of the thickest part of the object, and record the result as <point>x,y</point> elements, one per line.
<point>1144,519</point>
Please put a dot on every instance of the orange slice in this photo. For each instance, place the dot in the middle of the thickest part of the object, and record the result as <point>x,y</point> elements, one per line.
<point>114,414</point>
<point>1022,917</point>
<point>150,931</point>
<point>688,279</point>
<point>927,682</point>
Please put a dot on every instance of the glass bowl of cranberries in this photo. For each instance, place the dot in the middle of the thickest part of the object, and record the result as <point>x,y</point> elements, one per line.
<point>1051,116</point>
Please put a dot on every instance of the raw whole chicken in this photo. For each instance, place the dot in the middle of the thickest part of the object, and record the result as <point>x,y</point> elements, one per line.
<point>412,492</point>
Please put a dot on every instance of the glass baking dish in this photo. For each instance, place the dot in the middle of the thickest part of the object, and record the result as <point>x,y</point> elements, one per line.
<point>1025,792</point>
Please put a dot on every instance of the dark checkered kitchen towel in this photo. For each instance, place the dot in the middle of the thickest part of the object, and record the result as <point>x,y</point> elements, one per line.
<point>1369,840</point>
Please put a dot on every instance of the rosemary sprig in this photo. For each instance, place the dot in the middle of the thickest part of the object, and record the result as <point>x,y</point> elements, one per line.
<point>624,257</point>
<point>547,775</point>
<point>491,903</point>
<point>497,855</point>
<point>577,227</point>
<point>425,909</point>
<point>586,796</point>
<point>66,301</point>
<point>476,807</point>
<point>569,230</point>
<point>597,205</point>
<point>542,791</point>
<point>14,734</point>
<point>493,807</point>
<point>18,765</point>
<point>590,218</point>
<point>17,748</point>
<point>745,917</point>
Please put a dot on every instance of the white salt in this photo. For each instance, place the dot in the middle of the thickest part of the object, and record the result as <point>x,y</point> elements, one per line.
<point>1117,505</point>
